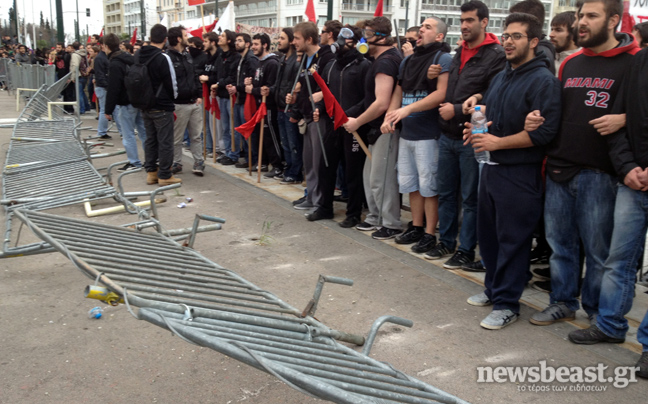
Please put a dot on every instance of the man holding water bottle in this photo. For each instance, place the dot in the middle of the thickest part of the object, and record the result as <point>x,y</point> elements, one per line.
<point>510,191</point>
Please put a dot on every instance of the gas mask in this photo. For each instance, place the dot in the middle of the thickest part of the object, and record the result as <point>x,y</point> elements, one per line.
<point>346,33</point>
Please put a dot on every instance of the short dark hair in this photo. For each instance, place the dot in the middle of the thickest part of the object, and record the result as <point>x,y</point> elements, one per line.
<point>308,29</point>
<point>61,43</point>
<point>22,46</point>
<point>611,7</point>
<point>174,34</point>
<point>265,40</point>
<point>533,25</point>
<point>533,7</point>
<point>334,27</point>
<point>129,47</point>
<point>566,19</point>
<point>158,33</point>
<point>76,45</point>
<point>231,37</point>
<point>96,36</point>
<point>246,37</point>
<point>415,28</point>
<point>482,9</point>
<point>112,42</point>
<point>196,41</point>
<point>643,33</point>
<point>289,33</point>
<point>211,37</point>
<point>100,40</point>
<point>383,26</point>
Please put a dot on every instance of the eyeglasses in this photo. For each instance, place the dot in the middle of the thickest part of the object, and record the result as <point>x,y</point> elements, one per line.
<point>368,33</point>
<point>325,32</point>
<point>516,36</point>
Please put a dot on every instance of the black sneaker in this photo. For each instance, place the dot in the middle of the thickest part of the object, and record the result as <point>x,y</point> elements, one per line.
<point>544,274</point>
<point>273,173</point>
<point>349,222</point>
<point>299,201</point>
<point>477,266</point>
<point>364,226</point>
<point>438,252</point>
<point>385,233</point>
<point>226,161</point>
<point>425,244</point>
<point>643,366</point>
<point>592,335</point>
<point>264,168</point>
<point>411,235</point>
<point>243,164</point>
<point>340,198</point>
<point>199,169</point>
<point>318,215</point>
<point>127,167</point>
<point>289,180</point>
<point>539,256</point>
<point>105,137</point>
<point>176,168</point>
<point>458,259</point>
<point>542,286</point>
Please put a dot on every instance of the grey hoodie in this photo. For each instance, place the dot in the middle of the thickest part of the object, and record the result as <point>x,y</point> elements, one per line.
<point>75,61</point>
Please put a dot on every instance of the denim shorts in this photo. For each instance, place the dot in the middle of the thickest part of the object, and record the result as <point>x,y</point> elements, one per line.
<point>418,162</point>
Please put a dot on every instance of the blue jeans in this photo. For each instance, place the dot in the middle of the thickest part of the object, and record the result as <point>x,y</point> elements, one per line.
<point>292,143</point>
<point>130,118</point>
<point>84,104</point>
<point>102,126</point>
<point>240,145</point>
<point>224,104</point>
<point>458,172</point>
<point>582,208</point>
<point>618,285</point>
<point>208,139</point>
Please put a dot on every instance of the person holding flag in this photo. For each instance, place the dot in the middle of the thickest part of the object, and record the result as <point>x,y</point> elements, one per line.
<point>344,76</point>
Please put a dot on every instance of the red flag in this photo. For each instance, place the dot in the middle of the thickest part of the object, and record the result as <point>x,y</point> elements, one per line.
<point>134,38</point>
<point>215,108</point>
<point>250,107</point>
<point>195,2</point>
<point>310,11</point>
<point>248,127</point>
<point>101,33</point>
<point>627,21</point>
<point>94,98</point>
<point>379,9</point>
<point>206,96</point>
<point>333,108</point>
<point>88,41</point>
<point>200,31</point>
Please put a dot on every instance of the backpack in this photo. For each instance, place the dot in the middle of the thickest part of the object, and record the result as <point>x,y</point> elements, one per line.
<point>83,67</point>
<point>139,86</point>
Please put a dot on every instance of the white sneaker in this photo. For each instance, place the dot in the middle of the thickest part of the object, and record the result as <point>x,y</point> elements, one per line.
<point>479,300</point>
<point>499,319</point>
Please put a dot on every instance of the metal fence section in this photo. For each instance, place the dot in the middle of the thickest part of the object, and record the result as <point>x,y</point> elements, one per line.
<point>208,305</point>
<point>37,106</point>
<point>4,71</point>
<point>29,76</point>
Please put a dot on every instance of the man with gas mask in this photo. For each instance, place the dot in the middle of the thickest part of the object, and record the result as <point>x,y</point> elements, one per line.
<point>379,175</point>
<point>344,76</point>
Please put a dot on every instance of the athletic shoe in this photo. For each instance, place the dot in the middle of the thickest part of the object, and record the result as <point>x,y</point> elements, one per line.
<point>340,198</point>
<point>458,259</point>
<point>592,335</point>
<point>364,226</point>
<point>264,168</point>
<point>479,300</point>
<point>349,222</point>
<point>199,169</point>
<point>304,205</point>
<point>544,274</point>
<point>552,314</point>
<point>642,364</point>
<point>499,319</point>
<point>289,180</point>
<point>176,168</point>
<point>127,167</point>
<point>542,286</point>
<point>438,252</point>
<point>318,215</point>
<point>300,200</point>
<point>243,164</point>
<point>411,235</point>
<point>385,233</point>
<point>477,266</point>
<point>105,137</point>
<point>539,256</point>
<point>273,173</point>
<point>226,161</point>
<point>425,244</point>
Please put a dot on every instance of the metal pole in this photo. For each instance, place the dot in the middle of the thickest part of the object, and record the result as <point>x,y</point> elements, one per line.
<point>329,10</point>
<point>60,31</point>
<point>143,15</point>
<point>77,21</point>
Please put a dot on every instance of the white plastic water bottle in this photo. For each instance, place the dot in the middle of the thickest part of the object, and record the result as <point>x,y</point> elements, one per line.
<point>478,121</point>
<point>95,312</point>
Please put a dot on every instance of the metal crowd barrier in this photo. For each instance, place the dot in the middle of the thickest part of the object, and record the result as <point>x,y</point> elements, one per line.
<point>4,68</point>
<point>205,304</point>
<point>29,76</point>
<point>38,106</point>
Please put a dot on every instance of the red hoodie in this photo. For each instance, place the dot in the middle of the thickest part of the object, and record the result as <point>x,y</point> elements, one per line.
<point>467,53</point>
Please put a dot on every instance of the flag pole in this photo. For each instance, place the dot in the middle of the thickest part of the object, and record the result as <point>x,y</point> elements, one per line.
<point>232,122</point>
<point>362,144</point>
<point>263,100</point>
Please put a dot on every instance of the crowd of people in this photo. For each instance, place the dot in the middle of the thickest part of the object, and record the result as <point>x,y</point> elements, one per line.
<point>567,165</point>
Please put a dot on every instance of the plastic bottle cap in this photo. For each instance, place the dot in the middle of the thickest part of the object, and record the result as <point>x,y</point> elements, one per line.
<point>98,316</point>
<point>478,108</point>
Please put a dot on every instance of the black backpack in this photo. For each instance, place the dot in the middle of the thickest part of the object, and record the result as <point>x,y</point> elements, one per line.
<point>139,86</point>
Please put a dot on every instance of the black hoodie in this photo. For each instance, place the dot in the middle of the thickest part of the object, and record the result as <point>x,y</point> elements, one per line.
<point>246,68</point>
<point>285,79</point>
<point>265,75</point>
<point>119,63</point>
<point>225,73</point>
<point>345,76</point>
<point>189,88</point>
<point>160,70</point>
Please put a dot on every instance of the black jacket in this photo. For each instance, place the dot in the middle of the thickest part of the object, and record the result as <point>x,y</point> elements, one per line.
<point>474,78</point>
<point>160,72</point>
<point>345,76</point>
<point>265,75</point>
<point>545,46</point>
<point>199,58</point>
<point>211,66</point>
<point>629,146</point>
<point>117,69</point>
<point>101,70</point>
<point>188,85</point>
<point>246,68</point>
<point>225,73</point>
<point>285,80</point>
<point>303,107</point>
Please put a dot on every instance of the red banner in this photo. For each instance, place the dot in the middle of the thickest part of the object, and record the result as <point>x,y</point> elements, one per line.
<point>333,108</point>
<point>195,2</point>
<point>248,127</point>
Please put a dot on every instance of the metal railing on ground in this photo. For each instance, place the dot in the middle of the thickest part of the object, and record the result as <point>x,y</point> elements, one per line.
<point>27,76</point>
